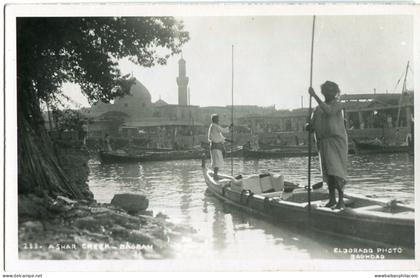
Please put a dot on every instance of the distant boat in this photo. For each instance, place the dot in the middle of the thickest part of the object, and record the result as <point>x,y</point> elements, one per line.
<point>142,149</point>
<point>376,146</point>
<point>363,218</point>
<point>235,151</point>
<point>285,151</point>
<point>123,156</point>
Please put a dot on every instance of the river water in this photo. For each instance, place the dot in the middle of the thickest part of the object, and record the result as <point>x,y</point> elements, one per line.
<point>177,189</point>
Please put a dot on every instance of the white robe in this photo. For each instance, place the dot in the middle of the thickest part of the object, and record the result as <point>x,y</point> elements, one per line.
<point>215,135</point>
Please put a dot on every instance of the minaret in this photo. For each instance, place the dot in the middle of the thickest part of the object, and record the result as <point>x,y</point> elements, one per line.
<point>182,81</point>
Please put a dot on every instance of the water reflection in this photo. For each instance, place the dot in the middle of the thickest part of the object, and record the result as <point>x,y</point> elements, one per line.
<point>289,240</point>
<point>219,230</point>
<point>177,189</point>
<point>186,198</point>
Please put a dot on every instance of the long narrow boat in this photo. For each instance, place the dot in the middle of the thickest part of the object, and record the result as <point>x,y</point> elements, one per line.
<point>123,156</point>
<point>363,218</point>
<point>119,156</point>
<point>372,147</point>
<point>277,153</point>
<point>175,155</point>
<point>236,151</point>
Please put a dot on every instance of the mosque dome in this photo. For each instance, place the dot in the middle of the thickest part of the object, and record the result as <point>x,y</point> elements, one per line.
<point>138,94</point>
<point>138,90</point>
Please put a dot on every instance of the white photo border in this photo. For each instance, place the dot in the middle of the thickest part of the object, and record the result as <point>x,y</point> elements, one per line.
<point>12,11</point>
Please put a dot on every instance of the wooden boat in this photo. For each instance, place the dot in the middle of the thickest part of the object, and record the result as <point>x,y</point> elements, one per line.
<point>236,151</point>
<point>278,153</point>
<point>123,156</point>
<point>175,155</point>
<point>383,222</point>
<point>160,155</point>
<point>142,149</point>
<point>376,146</point>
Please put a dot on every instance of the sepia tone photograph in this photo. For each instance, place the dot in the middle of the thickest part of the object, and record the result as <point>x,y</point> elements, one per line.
<point>235,141</point>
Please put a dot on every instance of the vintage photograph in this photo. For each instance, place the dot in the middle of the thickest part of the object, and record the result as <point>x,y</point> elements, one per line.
<point>235,141</point>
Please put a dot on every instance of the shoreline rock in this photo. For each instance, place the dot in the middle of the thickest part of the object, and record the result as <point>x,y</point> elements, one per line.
<point>131,203</point>
<point>55,227</point>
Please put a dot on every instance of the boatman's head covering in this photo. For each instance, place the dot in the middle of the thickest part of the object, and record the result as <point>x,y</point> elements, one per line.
<point>214,118</point>
<point>330,88</point>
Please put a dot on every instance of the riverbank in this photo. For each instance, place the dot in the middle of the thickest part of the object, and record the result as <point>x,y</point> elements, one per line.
<point>61,228</point>
<point>56,227</point>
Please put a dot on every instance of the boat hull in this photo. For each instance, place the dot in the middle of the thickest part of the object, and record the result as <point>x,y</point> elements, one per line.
<point>368,148</point>
<point>109,157</point>
<point>113,157</point>
<point>297,152</point>
<point>175,155</point>
<point>353,223</point>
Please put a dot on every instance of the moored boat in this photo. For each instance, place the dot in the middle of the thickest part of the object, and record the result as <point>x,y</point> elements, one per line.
<point>161,155</point>
<point>236,151</point>
<point>123,156</point>
<point>175,155</point>
<point>376,146</point>
<point>278,153</point>
<point>363,218</point>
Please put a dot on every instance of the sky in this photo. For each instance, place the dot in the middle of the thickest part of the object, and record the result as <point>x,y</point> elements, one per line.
<point>272,59</point>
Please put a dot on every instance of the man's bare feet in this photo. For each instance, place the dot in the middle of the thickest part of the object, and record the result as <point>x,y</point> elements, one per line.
<point>330,204</point>
<point>340,205</point>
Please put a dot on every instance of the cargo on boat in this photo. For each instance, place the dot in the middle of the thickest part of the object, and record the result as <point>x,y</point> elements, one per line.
<point>385,222</point>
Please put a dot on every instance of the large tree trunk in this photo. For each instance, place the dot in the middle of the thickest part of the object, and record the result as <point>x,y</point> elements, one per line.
<point>39,170</point>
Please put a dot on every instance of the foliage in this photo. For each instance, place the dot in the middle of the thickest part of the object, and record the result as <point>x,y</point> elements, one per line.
<point>69,120</point>
<point>86,51</point>
<point>83,50</point>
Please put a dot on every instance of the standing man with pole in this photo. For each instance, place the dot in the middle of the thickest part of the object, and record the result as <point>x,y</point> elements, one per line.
<point>330,133</point>
<point>216,140</point>
<point>327,122</point>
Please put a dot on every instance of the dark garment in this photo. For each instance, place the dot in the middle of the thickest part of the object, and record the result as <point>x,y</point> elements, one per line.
<point>217,146</point>
<point>331,137</point>
<point>336,182</point>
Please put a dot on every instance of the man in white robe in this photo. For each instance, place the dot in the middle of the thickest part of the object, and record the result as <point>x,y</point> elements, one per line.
<point>217,140</point>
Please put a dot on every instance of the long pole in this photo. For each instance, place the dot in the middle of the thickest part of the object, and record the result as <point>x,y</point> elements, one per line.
<point>191,117</point>
<point>231,144</point>
<point>404,88</point>
<point>309,118</point>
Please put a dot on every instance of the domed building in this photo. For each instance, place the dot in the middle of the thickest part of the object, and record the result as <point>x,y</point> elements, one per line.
<point>165,125</point>
<point>135,105</point>
<point>139,97</point>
